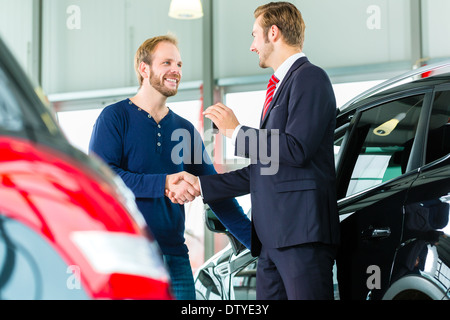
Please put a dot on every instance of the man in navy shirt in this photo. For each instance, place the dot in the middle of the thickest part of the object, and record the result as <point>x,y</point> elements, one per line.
<point>154,150</point>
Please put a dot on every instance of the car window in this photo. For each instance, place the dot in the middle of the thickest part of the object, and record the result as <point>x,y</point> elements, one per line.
<point>382,142</point>
<point>438,142</point>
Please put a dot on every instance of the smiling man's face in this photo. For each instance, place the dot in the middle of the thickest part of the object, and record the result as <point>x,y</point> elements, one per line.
<point>165,74</point>
<point>261,44</point>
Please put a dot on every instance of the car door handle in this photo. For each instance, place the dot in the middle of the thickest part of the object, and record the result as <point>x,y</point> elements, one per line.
<point>381,232</point>
<point>376,233</point>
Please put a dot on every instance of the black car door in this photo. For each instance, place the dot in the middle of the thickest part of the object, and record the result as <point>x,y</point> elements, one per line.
<point>375,171</point>
<point>425,247</point>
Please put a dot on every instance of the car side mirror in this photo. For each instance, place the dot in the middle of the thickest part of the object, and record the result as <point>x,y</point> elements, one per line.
<point>214,225</point>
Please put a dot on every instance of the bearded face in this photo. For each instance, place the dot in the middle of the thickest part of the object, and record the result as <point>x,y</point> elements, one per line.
<point>164,72</point>
<point>166,84</point>
<point>261,44</point>
<point>264,54</point>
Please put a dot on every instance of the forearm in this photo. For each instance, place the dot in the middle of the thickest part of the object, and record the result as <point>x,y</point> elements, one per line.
<point>143,185</point>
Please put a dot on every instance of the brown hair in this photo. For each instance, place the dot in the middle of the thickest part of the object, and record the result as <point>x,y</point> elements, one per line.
<point>146,50</point>
<point>287,18</point>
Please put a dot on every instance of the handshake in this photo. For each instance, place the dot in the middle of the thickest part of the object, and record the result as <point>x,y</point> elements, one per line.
<point>182,187</point>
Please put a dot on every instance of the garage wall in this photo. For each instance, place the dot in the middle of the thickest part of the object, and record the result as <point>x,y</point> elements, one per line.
<point>89,45</point>
<point>16,30</point>
<point>436,28</point>
<point>339,34</point>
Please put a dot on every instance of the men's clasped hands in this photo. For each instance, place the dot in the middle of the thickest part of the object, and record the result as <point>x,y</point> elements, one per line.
<point>182,187</point>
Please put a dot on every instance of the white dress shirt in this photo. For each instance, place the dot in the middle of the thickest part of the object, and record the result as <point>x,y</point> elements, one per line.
<point>280,73</point>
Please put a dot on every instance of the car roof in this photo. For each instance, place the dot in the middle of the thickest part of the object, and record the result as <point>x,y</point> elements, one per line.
<point>432,75</point>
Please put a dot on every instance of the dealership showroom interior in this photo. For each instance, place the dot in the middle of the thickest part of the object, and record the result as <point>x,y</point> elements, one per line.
<point>224,150</point>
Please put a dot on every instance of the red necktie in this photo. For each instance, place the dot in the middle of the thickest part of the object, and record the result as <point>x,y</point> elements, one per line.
<point>269,95</point>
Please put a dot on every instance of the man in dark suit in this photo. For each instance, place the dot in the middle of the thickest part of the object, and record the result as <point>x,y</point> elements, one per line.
<point>294,210</point>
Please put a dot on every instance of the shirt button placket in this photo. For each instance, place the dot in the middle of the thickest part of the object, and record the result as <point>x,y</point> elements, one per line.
<point>158,140</point>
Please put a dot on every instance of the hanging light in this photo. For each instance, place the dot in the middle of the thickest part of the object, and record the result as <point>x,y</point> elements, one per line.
<point>186,9</point>
<point>386,128</point>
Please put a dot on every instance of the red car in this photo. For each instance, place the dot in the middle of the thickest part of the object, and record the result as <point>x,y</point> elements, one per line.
<point>69,228</point>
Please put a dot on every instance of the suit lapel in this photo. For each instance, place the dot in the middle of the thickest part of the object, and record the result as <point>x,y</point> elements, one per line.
<point>294,67</point>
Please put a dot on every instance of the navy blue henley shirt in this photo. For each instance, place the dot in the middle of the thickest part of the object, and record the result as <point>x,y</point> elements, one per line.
<point>142,152</point>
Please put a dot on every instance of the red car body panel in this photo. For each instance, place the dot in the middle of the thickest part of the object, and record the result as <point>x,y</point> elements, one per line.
<point>57,196</point>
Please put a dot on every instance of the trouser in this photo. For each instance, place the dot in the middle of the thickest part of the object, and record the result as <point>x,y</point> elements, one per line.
<point>181,277</point>
<point>302,272</point>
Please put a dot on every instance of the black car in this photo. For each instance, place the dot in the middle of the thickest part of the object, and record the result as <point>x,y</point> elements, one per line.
<point>392,147</point>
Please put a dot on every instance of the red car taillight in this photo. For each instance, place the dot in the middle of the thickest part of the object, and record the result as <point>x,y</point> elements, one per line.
<point>124,286</point>
<point>132,261</point>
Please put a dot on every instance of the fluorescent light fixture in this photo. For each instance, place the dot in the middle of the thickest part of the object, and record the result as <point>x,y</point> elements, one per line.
<point>186,9</point>
<point>386,128</point>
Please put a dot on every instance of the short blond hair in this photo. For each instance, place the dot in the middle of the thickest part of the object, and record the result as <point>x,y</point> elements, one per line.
<point>146,50</point>
<point>287,18</point>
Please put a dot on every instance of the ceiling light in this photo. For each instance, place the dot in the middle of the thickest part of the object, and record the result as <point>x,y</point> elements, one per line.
<point>387,127</point>
<point>186,9</point>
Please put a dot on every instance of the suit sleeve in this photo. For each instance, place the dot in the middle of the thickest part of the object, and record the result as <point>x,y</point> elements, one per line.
<point>227,185</point>
<point>311,107</point>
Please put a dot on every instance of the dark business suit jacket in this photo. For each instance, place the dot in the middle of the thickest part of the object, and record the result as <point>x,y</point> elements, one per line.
<point>294,199</point>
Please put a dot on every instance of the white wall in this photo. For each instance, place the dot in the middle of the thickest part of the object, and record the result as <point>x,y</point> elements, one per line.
<point>93,49</point>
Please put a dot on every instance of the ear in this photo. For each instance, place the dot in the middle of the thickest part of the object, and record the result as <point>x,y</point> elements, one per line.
<point>144,70</point>
<point>274,33</point>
